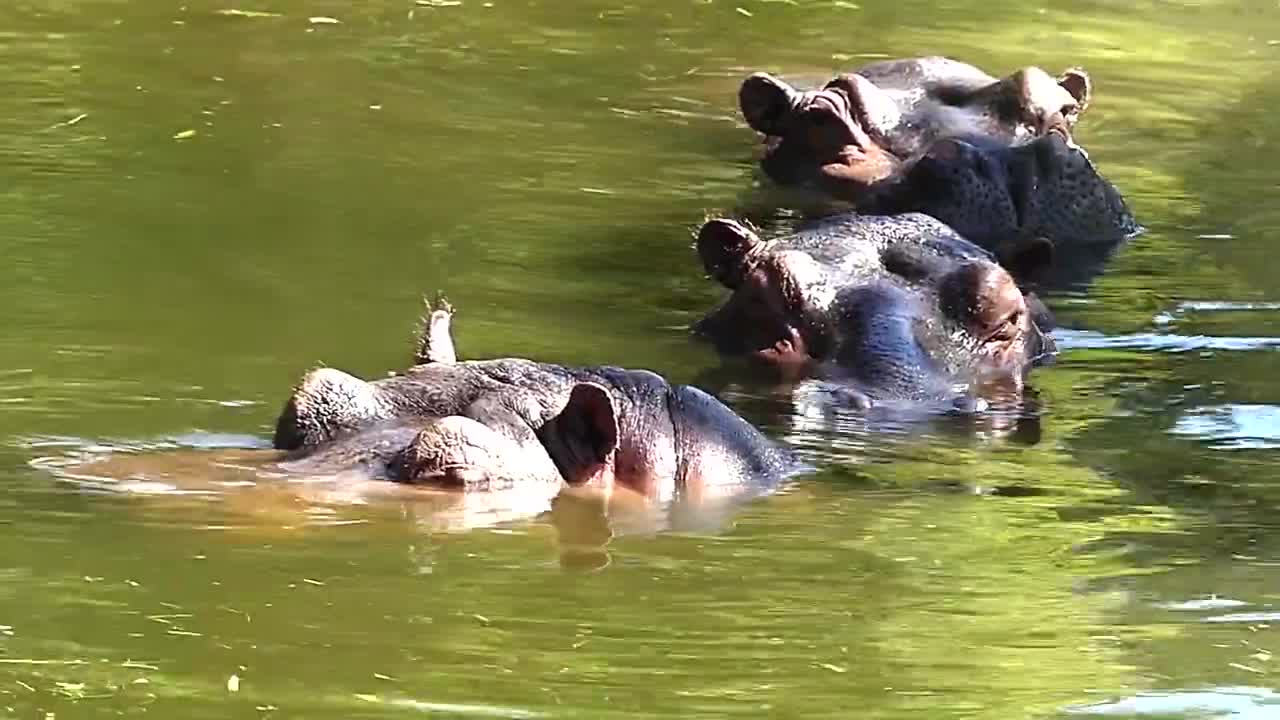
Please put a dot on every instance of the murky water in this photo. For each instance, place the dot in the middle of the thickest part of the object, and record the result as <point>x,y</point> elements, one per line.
<point>198,205</point>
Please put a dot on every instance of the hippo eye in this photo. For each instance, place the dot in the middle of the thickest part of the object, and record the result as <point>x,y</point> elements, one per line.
<point>1007,329</point>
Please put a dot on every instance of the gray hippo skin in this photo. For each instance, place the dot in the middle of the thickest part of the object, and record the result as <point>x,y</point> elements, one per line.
<point>1008,199</point>
<point>494,424</point>
<point>899,308</point>
<point>864,127</point>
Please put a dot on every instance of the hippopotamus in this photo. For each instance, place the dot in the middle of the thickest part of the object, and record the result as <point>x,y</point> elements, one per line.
<point>994,159</point>
<point>484,425</point>
<point>864,127</point>
<point>897,308</point>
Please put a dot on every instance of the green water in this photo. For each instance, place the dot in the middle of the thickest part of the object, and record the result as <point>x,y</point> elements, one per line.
<point>198,206</point>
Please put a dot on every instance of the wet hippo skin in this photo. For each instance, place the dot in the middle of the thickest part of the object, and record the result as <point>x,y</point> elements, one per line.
<point>900,308</point>
<point>492,424</point>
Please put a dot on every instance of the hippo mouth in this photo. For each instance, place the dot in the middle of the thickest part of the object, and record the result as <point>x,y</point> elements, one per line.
<point>828,122</point>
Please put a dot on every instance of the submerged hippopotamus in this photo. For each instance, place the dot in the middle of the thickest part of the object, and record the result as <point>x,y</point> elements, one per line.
<point>992,158</point>
<point>863,128</point>
<point>494,424</point>
<point>897,308</point>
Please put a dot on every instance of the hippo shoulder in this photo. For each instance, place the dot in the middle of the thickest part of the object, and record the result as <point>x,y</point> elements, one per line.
<point>713,440</point>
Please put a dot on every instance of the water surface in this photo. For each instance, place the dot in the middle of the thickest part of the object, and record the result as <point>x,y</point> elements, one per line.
<point>199,205</point>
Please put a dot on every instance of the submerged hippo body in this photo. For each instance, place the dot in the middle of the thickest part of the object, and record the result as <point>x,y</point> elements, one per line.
<point>863,128</point>
<point>899,308</point>
<point>491,424</point>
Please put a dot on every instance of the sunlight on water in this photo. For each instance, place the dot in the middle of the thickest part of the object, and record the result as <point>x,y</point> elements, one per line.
<point>1228,703</point>
<point>1159,342</point>
<point>1233,427</point>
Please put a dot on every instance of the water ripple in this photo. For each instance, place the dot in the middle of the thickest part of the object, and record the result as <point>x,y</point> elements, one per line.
<point>1069,339</point>
<point>1242,703</point>
<point>1232,426</point>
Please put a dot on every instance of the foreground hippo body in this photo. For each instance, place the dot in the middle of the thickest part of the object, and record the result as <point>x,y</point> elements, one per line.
<point>863,128</point>
<point>485,425</point>
<point>896,307</point>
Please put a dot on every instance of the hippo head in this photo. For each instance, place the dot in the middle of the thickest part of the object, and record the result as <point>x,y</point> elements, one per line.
<point>460,452</point>
<point>851,135</point>
<point>334,419</point>
<point>1045,191</point>
<point>916,328</point>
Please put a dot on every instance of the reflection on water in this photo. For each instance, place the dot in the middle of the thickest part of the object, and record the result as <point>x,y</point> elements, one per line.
<point>1210,603</point>
<point>1233,427</point>
<point>1228,703</point>
<point>239,479</point>
<point>1161,342</point>
<point>200,206</point>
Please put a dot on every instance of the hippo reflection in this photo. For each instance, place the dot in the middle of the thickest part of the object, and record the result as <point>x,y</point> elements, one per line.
<point>249,489</point>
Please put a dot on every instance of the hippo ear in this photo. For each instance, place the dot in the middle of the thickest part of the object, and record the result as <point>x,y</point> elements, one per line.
<point>1077,83</point>
<point>766,102</point>
<point>1028,259</point>
<point>435,341</point>
<point>724,246</point>
<point>583,437</point>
